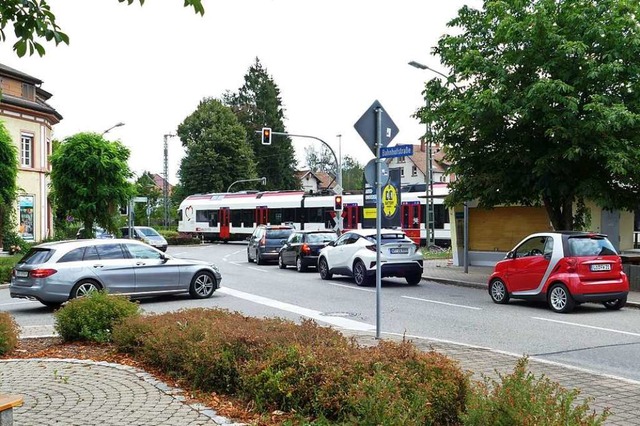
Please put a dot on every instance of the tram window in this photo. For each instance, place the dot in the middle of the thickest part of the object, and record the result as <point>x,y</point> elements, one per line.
<point>204,215</point>
<point>440,216</point>
<point>315,215</point>
<point>290,215</point>
<point>213,221</point>
<point>275,216</point>
<point>246,217</point>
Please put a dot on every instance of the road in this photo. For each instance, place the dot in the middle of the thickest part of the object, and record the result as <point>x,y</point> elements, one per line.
<point>591,337</point>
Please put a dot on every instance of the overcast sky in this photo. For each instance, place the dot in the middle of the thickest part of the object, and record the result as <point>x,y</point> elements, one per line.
<point>150,66</point>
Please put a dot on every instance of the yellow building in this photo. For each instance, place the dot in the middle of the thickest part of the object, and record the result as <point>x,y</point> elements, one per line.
<point>29,120</point>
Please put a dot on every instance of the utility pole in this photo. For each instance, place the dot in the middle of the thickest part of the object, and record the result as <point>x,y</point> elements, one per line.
<point>165,181</point>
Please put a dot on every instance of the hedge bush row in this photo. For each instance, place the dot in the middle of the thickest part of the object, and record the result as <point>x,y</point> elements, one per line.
<point>314,373</point>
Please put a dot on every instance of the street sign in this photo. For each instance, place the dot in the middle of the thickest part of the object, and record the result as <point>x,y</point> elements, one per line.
<point>338,189</point>
<point>396,151</point>
<point>370,173</point>
<point>366,127</point>
<point>140,199</point>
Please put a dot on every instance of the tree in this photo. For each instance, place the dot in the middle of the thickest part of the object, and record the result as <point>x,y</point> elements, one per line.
<point>33,20</point>
<point>352,174</point>
<point>544,105</point>
<point>217,152</point>
<point>89,179</point>
<point>8,181</point>
<point>257,104</point>
<point>323,161</point>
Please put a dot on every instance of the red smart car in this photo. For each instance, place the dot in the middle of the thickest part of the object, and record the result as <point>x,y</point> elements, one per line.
<point>562,268</point>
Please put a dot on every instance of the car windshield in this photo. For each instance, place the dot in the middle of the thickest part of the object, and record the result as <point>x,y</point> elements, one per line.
<point>36,256</point>
<point>324,237</point>
<point>278,234</point>
<point>590,246</point>
<point>388,238</point>
<point>148,232</point>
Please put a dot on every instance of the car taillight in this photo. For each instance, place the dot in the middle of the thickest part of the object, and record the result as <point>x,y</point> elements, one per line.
<point>572,265</point>
<point>305,249</point>
<point>263,240</point>
<point>42,273</point>
<point>372,247</point>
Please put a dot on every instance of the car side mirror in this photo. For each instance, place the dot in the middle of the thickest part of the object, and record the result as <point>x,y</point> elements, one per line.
<point>510,255</point>
<point>331,243</point>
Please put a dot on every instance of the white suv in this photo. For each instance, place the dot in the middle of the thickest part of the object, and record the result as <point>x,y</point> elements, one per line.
<point>354,254</point>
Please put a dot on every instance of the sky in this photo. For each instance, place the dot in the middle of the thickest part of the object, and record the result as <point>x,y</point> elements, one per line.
<point>150,66</point>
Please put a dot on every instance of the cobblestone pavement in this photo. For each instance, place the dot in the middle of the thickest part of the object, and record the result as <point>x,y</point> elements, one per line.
<point>83,393</point>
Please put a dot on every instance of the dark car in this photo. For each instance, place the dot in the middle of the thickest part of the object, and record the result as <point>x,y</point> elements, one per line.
<point>302,248</point>
<point>265,242</point>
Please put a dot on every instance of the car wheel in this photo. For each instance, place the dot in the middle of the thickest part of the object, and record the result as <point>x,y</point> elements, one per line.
<point>323,268</point>
<point>83,288</point>
<point>414,279</point>
<point>281,264</point>
<point>300,267</point>
<point>615,304</point>
<point>202,285</point>
<point>360,274</point>
<point>249,257</point>
<point>498,291</point>
<point>560,300</point>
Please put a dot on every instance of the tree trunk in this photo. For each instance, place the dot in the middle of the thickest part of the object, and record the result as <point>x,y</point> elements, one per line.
<point>560,213</point>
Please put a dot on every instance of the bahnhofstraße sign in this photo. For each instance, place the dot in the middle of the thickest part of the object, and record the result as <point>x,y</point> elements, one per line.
<point>396,151</point>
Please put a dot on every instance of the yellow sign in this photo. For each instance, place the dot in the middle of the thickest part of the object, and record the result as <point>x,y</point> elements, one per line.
<point>369,213</point>
<point>389,200</point>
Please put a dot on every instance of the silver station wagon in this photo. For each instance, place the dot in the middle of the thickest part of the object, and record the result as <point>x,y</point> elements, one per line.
<point>53,273</point>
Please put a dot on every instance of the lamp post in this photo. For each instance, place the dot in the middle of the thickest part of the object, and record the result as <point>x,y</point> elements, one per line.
<point>113,127</point>
<point>430,222</point>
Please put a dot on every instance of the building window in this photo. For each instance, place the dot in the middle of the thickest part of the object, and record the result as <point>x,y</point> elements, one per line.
<point>401,160</point>
<point>402,172</point>
<point>414,171</point>
<point>28,91</point>
<point>26,150</point>
<point>25,215</point>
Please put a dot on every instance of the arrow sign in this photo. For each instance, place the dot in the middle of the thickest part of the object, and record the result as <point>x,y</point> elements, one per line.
<point>366,127</point>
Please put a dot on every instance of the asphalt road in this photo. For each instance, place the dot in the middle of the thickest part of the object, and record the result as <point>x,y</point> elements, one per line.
<point>592,337</point>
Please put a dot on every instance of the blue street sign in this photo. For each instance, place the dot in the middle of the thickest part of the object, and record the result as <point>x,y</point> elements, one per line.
<point>396,151</point>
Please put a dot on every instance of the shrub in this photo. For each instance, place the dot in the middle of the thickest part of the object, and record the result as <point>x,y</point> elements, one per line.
<point>6,265</point>
<point>14,243</point>
<point>182,239</point>
<point>93,317</point>
<point>9,332</point>
<point>520,398</point>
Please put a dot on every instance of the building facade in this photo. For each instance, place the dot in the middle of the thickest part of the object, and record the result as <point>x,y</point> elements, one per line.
<point>29,120</point>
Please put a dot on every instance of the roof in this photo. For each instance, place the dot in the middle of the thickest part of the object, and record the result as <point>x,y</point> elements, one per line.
<point>6,70</point>
<point>419,159</point>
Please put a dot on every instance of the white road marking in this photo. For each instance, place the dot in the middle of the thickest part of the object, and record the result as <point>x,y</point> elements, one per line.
<point>443,303</point>
<point>350,287</point>
<point>628,333</point>
<point>18,303</point>
<point>257,269</point>
<point>310,313</point>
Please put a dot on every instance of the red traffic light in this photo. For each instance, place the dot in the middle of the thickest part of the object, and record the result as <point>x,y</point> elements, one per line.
<point>266,136</point>
<point>337,202</point>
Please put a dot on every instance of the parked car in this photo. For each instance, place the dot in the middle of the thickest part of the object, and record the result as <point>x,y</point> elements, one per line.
<point>265,242</point>
<point>302,248</point>
<point>563,269</point>
<point>354,254</point>
<point>53,273</point>
<point>98,232</point>
<point>146,234</point>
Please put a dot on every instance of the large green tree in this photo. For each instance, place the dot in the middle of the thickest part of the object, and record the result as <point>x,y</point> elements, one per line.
<point>217,152</point>
<point>34,21</point>
<point>257,104</point>
<point>90,179</point>
<point>8,180</point>
<point>542,106</point>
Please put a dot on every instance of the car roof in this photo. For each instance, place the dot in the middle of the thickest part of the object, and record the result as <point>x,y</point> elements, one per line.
<point>84,242</point>
<point>316,231</point>
<point>367,232</point>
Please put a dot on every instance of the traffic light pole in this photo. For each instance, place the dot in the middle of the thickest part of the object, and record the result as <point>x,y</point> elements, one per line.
<point>338,162</point>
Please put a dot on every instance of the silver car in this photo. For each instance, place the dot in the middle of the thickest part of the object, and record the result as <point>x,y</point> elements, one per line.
<point>147,235</point>
<point>53,273</point>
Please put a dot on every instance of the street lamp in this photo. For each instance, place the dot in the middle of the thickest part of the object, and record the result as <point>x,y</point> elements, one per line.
<point>112,127</point>
<point>431,240</point>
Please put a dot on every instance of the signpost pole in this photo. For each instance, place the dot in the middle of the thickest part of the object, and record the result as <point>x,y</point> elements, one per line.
<point>378,217</point>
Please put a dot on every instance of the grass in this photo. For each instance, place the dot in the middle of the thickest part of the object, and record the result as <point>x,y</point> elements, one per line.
<point>436,254</point>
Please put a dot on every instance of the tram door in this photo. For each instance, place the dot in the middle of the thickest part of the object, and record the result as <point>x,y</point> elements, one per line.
<point>350,216</point>
<point>224,214</point>
<point>411,214</point>
<point>262,215</point>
